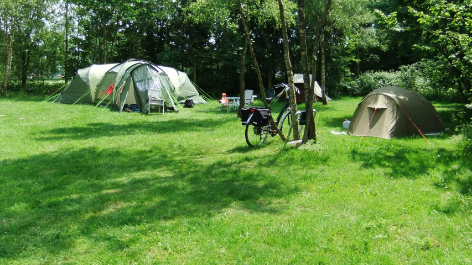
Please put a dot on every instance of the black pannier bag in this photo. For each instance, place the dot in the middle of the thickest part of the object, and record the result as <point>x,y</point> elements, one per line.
<point>188,103</point>
<point>245,113</point>
<point>261,117</point>
<point>302,119</point>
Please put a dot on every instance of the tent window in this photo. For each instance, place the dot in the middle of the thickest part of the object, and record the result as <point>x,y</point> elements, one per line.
<point>145,78</point>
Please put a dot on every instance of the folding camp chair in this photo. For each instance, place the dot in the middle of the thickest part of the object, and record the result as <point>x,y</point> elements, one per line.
<point>155,101</point>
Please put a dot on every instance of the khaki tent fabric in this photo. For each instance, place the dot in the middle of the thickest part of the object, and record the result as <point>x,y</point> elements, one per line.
<point>131,81</point>
<point>183,87</point>
<point>394,112</point>
<point>84,81</point>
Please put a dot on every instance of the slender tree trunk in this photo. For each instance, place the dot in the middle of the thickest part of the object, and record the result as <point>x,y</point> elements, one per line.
<point>7,53</point>
<point>309,133</point>
<point>66,53</point>
<point>195,70</point>
<point>358,62</point>
<point>242,85</point>
<point>258,70</point>
<point>25,60</point>
<point>323,68</point>
<point>105,43</point>
<point>288,65</point>
<point>269,74</point>
<point>314,64</point>
<point>318,34</point>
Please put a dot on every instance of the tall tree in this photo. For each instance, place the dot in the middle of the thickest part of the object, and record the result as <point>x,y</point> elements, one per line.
<point>66,40</point>
<point>9,15</point>
<point>437,30</point>
<point>288,65</point>
<point>258,71</point>
<point>310,128</point>
<point>242,69</point>
<point>446,29</point>
<point>31,23</point>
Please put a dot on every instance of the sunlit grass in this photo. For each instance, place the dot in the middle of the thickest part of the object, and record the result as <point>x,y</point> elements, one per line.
<point>90,185</point>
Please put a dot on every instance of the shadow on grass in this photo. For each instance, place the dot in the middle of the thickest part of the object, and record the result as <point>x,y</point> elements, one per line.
<point>449,169</point>
<point>50,200</point>
<point>96,130</point>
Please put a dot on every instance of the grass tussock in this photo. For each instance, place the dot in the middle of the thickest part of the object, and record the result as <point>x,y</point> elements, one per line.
<point>85,185</point>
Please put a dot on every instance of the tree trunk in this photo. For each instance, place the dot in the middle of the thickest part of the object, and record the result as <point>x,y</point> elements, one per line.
<point>358,62</point>
<point>105,51</point>
<point>309,133</point>
<point>195,70</point>
<point>323,68</point>
<point>314,62</point>
<point>269,74</point>
<point>66,53</point>
<point>25,60</point>
<point>258,71</point>
<point>242,85</point>
<point>318,34</point>
<point>7,53</point>
<point>288,65</point>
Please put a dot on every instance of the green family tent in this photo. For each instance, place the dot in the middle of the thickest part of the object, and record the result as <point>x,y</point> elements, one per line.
<point>394,112</point>
<point>130,83</point>
<point>84,81</point>
<point>182,87</point>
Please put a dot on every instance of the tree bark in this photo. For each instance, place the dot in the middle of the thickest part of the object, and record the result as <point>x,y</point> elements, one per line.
<point>242,69</point>
<point>8,38</point>
<point>318,32</point>
<point>323,68</point>
<point>269,73</point>
<point>310,133</point>
<point>66,52</point>
<point>258,71</point>
<point>25,59</point>
<point>288,65</point>
<point>195,70</point>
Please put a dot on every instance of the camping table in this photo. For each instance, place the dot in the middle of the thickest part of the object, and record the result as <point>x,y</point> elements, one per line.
<point>232,102</point>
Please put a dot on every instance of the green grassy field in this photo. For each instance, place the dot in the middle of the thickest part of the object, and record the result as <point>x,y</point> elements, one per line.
<point>85,185</point>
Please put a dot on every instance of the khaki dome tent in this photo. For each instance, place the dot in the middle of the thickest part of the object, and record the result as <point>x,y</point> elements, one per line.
<point>394,112</point>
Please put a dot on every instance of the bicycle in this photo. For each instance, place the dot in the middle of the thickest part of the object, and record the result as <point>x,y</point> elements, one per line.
<point>257,124</point>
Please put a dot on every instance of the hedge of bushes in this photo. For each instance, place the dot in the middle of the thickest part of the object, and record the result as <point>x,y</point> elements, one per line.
<point>418,77</point>
<point>34,88</point>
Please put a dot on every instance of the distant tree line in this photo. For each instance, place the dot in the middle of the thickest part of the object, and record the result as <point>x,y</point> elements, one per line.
<point>205,38</point>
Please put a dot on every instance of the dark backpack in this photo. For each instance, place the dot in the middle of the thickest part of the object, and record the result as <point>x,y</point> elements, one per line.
<point>188,103</point>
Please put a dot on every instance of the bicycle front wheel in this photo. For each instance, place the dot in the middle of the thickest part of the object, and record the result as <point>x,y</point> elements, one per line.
<point>285,125</point>
<point>255,135</point>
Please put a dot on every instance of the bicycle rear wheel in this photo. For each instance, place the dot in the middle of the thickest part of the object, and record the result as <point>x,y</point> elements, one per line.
<point>255,135</point>
<point>285,124</point>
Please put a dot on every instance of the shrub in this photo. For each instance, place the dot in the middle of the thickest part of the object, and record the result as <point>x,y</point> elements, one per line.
<point>426,77</point>
<point>35,88</point>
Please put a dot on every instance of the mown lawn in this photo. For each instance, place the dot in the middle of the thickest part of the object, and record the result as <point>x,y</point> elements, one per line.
<point>86,185</point>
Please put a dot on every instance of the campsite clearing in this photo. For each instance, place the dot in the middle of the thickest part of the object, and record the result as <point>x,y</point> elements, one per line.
<point>87,185</point>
